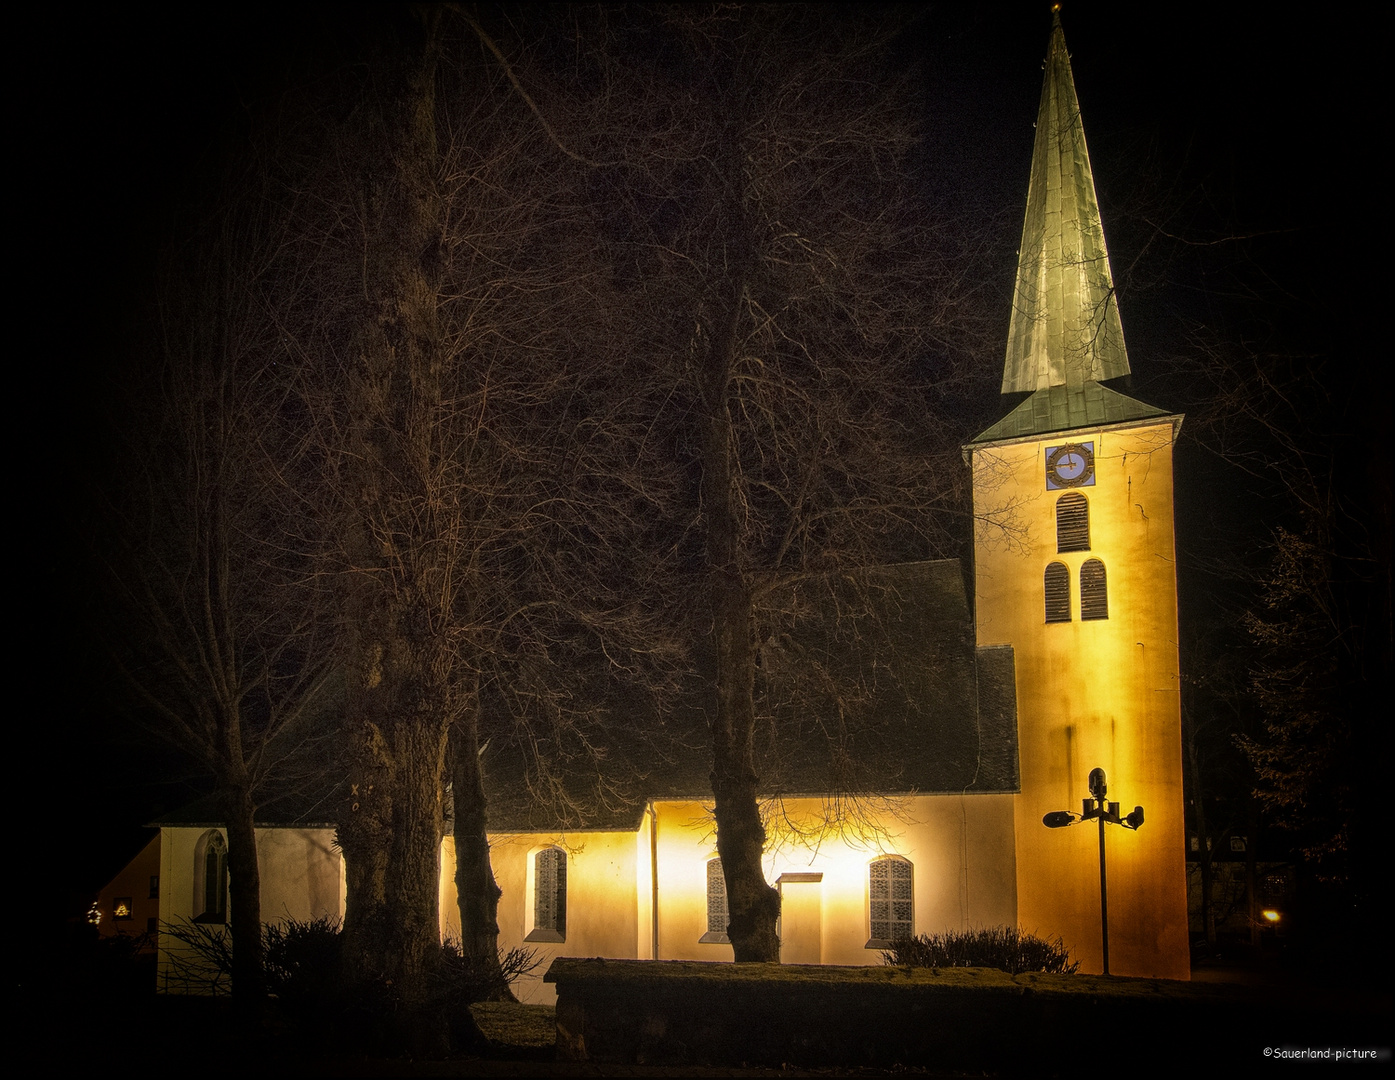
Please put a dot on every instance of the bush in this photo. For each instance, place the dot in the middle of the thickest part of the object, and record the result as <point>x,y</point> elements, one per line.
<point>465,982</point>
<point>304,963</point>
<point>303,959</point>
<point>1001,947</point>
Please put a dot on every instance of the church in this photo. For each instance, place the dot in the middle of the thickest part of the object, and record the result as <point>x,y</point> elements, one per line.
<point>1054,656</point>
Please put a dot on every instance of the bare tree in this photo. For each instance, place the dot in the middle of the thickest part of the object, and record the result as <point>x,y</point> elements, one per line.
<point>781,285</point>
<point>217,623</point>
<point>467,441</point>
<point>1310,614</point>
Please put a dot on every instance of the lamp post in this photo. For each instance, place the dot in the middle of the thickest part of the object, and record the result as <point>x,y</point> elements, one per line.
<point>1096,808</point>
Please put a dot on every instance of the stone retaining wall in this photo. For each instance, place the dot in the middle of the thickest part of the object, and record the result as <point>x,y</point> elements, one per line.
<point>678,1012</point>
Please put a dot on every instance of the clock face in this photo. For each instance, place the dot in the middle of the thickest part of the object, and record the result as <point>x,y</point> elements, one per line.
<point>1070,465</point>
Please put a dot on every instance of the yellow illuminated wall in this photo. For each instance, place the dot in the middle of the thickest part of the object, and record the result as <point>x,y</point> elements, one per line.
<point>606,874</point>
<point>1100,693</point>
<point>960,846</point>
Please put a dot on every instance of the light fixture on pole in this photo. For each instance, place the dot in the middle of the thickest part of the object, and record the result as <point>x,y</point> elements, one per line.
<point>1096,808</point>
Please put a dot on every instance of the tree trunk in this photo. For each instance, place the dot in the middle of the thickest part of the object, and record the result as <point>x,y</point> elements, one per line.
<point>753,906</point>
<point>391,844</point>
<point>244,896</point>
<point>477,893</point>
<point>400,699</point>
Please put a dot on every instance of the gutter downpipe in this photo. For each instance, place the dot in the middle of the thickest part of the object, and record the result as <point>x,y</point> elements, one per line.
<point>653,881</point>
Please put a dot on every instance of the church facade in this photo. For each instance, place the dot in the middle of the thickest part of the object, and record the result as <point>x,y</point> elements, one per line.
<point>1066,662</point>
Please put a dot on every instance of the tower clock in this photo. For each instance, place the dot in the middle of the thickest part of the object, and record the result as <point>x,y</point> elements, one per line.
<point>1070,465</point>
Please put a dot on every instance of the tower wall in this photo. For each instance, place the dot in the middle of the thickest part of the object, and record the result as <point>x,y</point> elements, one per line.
<point>1099,693</point>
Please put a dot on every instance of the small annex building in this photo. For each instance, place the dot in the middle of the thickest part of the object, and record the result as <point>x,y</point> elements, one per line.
<point>971,722</point>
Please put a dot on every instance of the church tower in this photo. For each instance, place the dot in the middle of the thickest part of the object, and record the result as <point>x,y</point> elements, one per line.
<point>1075,569</point>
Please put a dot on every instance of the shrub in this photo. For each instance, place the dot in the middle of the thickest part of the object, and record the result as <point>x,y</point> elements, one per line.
<point>303,958</point>
<point>202,962</point>
<point>466,982</point>
<point>1001,947</point>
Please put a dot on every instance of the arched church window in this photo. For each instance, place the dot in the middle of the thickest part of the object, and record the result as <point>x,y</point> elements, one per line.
<point>1094,593</point>
<point>549,896</point>
<point>890,901</point>
<point>1057,593</point>
<point>1072,523</point>
<point>211,878</point>
<point>717,914</point>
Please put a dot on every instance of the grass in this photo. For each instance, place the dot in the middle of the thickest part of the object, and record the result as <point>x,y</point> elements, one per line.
<point>511,1024</point>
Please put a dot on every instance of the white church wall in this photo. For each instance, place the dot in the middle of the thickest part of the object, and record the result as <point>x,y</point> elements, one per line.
<point>301,878</point>
<point>605,877</point>
<point>302,874</point>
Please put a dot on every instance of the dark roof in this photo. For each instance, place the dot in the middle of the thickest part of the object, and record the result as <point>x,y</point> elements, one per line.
<point>1064,408</point>
<point>306,806</point>
<point>868,684</point>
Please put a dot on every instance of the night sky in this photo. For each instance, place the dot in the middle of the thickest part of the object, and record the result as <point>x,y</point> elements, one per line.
<point>1231,122</point>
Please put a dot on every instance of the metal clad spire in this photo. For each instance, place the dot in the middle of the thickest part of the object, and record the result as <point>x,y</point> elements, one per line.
<point>1065,328</point>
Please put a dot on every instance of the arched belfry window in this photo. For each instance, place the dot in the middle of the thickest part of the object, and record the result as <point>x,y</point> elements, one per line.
<point>1057,593</point>
<point>1072,523</point>
<point>890,901</point>
<point>1094,593</point>
<point>549,896</point>
<point>211,878</point>
<point>717,915</point>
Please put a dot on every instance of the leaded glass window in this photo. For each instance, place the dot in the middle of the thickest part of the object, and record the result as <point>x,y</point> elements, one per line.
<point>892,900</point>
<point>550,894</point>
<point>717,914</point>
<point>211,868</point>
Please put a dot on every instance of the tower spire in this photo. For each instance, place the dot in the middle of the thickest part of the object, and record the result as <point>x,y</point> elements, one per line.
<point>1065,340</point>
<point>1065,328</point>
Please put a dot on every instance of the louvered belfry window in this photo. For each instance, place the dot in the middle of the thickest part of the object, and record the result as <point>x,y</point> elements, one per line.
<point>1057,593</point>
<point>1072,523</point>
<point>1094,593</point>
<point>892,900</point>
